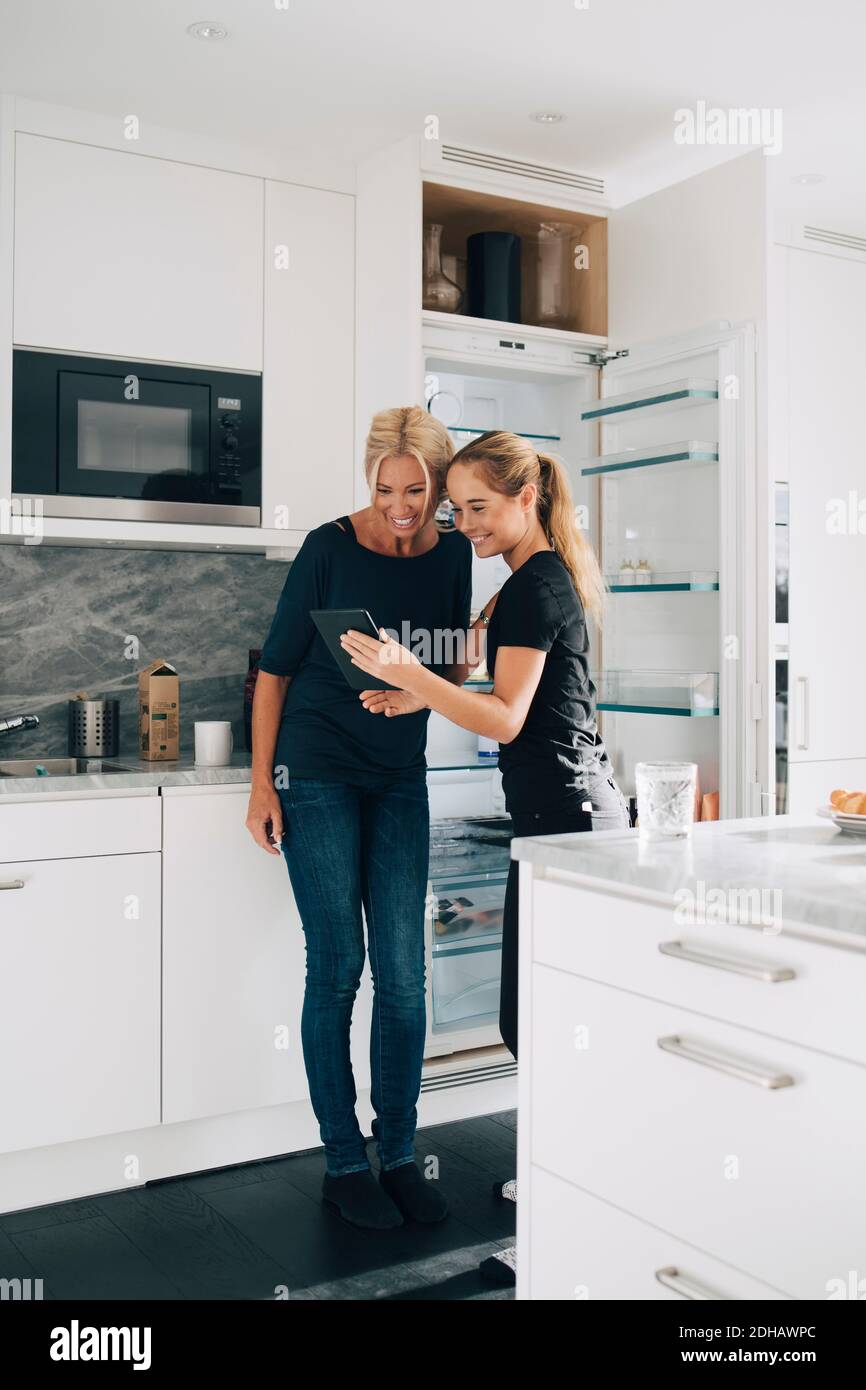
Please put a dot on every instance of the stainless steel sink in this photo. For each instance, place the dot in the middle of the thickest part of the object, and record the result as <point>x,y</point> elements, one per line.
<point>57,767</point>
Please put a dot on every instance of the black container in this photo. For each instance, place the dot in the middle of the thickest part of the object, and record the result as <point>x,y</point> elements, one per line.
<point>493,276</point>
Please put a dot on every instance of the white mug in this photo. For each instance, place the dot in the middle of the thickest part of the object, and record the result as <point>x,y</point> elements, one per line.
<point>214,743</point>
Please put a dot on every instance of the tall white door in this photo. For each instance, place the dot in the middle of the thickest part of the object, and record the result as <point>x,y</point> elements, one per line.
<point>826,359</point>
<point>309,347</point>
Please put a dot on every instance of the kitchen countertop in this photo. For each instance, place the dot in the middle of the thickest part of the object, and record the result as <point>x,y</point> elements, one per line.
<point>137,773</point>
<point>812,874</point>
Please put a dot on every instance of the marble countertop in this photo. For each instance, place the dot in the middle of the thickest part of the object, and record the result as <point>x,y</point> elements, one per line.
<point>126,773</point>
<point>807,871</point>
<point>132,773</point>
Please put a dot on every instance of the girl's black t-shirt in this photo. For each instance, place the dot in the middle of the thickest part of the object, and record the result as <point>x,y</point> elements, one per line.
<point>539,607</point>
<point>325,732</point>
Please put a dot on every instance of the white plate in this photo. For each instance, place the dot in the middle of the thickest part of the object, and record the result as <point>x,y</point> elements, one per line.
<point>844,820</point>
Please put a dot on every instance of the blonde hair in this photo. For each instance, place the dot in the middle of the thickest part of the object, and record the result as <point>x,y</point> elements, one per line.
<point>409,429</point>
<point>508,464</point>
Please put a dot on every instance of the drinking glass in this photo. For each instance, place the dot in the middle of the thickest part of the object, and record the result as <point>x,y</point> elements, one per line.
<point>665,799</point>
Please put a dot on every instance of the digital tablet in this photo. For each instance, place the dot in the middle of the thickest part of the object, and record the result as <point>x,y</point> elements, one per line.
<point>332,623</point>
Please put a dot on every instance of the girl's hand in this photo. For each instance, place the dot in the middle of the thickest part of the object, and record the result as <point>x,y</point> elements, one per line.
<point>384,658</point>
<point>391,702</point>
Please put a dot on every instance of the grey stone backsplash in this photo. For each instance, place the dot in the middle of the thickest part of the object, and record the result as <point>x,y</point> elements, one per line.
<point>67,615</point>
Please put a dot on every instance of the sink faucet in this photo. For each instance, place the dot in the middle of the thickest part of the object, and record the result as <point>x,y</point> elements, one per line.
<point>18,721</point>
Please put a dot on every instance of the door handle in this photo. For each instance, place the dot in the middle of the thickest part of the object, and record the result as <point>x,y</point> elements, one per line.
<point>803,712</point>
<point>12,883</point>
<point>687,1287</point>
<point>771,974</point>
<point>731,1066</point>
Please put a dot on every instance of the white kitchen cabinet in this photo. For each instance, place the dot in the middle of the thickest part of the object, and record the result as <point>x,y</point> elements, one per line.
<point>79,997</point>
<point>309,350</point>
<point>727,1158</point>
<point>582,1248</point>
<point>686,1106</point>
<point>233,965</point>
<point>826,310</point>
<point>125,255</point>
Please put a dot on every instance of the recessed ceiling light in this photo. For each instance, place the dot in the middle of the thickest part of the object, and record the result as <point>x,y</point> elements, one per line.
<point>809,178</point>
<point>547,117</point>
<point>208,29</point>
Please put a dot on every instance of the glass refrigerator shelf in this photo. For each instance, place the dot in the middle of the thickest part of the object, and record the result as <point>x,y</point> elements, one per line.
<point>683,451</point>
<point>666,396</point>
<point>693,694</point>
<point>663,581</point>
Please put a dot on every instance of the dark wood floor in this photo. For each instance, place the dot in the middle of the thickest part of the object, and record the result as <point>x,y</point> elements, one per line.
<point>242,1233</point>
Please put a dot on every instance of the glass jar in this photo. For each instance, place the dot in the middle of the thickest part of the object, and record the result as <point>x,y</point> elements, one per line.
<point>438,291</point>
<point>554,269</point>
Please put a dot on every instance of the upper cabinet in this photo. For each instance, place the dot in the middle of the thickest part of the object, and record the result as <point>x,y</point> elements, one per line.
<point>126,255</point>
<point>557,257</point>
<point>308,385</point>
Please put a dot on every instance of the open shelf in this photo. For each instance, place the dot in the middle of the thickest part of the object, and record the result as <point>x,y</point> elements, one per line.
<point>693,694</point>
<point>463,211</point>
<point>683,451</point>
<point>664,582</point>
<point>667,396</point>
<point>471,433</point>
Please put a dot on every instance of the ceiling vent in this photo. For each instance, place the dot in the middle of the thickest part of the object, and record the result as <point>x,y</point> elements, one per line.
<point>840,239</point>
<point>538,173</point>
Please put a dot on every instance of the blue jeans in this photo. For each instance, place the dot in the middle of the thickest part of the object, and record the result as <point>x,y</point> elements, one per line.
<point>348,846</point>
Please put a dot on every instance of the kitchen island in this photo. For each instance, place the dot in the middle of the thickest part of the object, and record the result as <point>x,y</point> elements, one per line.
<point>692,1082</point>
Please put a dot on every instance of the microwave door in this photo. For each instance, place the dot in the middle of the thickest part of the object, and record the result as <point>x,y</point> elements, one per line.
<point>133,437</point>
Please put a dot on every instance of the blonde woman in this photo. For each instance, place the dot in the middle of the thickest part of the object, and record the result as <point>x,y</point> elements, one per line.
<point>344,797</point>
<point>509,500</point>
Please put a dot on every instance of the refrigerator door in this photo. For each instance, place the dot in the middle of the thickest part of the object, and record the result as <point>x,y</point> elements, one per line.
<point>673,473</point>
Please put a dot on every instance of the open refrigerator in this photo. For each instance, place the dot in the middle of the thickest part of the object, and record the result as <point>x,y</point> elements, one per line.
<point>657,441</point>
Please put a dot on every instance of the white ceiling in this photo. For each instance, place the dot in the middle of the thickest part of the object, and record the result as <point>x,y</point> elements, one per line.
<point>344,77</point>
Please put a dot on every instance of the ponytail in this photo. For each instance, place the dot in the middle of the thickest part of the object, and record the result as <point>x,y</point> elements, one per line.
<point>556,513</point>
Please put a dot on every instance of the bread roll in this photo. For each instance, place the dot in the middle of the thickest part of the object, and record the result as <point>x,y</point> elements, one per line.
<point>854,804</point>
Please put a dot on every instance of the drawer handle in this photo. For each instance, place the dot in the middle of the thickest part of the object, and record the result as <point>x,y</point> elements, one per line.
<point>12,883</point>
<point>686,1287</point>
<point>772,974</point>
<point>731,1066</point>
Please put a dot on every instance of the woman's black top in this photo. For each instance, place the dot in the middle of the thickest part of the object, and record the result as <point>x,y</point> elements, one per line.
<point>325,732</point>
<point>539,607</point>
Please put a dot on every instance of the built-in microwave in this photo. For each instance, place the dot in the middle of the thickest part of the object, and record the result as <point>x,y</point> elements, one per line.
<point>121,440</point>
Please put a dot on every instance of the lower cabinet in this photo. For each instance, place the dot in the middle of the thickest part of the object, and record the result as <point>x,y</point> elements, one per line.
<point>683,1118</point>
<point>79,998</point>
<point>233,965</point>
<point>582,1248</point>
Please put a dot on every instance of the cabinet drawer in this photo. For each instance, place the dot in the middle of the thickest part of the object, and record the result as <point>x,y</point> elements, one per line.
<point>69,829</point>
<point>579,1247</point>
<point>804,991</point>
<point>722,1153</point>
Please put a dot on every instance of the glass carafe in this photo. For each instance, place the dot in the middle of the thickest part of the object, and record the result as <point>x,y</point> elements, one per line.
<point>439,292</point>
<point>555,267</point>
